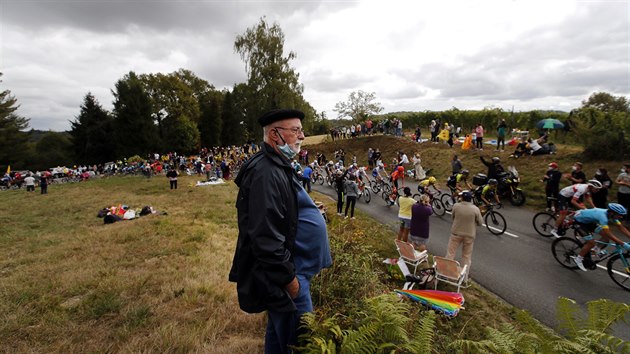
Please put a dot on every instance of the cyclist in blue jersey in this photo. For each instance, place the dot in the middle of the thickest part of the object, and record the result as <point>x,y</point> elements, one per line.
<point>596,220</point>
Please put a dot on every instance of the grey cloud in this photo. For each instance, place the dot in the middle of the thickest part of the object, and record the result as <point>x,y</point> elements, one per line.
<point>326,80</point>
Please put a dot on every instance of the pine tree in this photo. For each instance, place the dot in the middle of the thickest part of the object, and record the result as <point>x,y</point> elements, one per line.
<point>92,133</point>
<point>13,139</point>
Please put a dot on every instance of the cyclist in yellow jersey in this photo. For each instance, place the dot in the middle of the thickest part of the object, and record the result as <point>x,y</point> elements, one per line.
<point>425,185</point>
<point>489,191</point>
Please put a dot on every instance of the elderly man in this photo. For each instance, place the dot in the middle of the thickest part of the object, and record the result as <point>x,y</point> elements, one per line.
<point>466,218</point>
<point>282,240</point>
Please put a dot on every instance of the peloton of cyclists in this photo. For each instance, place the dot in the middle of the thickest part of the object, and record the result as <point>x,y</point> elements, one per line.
<point>571,196</point>
<point>597,221</point>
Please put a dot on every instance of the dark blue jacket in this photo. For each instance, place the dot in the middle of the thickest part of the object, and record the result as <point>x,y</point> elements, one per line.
<point>267,223</point>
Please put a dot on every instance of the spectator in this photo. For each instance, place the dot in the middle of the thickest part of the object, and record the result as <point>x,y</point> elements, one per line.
<point>466,218</point>
<point>352,192</point>
<point>172,177</point>
<point>600,196</point>
<point>419,228</point>
<point>339,186</point>
<point>552,188</point>
<point>501,131</point>
<point>404,214</point>
<point>306,178</point>
<point>623,193</point>
<point>43,182</point>
<point>479,136</point>
<point>282,239</point>
<point>29,182</point>
<point>417,166</point>
<point>577,175</point>
<point>456,165</point>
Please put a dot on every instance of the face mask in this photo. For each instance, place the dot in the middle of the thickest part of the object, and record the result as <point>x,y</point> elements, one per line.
<point>623,170</point>
<point>598,173</point>
<point>286,149</point>
<point>574,168</point>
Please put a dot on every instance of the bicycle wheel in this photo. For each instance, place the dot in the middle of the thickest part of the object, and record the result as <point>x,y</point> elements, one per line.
<point>386,188</point>
<point>563,249</point>
<point>367,196</point>
<point>320,180</point>
<point>495,222</point>
<point>448,202</point>
<point>619,269</point>
<point>543,223</point>
<point>438,207</point>
<point>416,197</point>
<point>385,196</point>
<point>376,187</point>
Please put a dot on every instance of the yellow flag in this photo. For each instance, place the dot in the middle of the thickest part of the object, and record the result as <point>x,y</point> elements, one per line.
<point>9,169</point>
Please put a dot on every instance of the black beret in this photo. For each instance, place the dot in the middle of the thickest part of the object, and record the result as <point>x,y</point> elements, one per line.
<point>279,114</point>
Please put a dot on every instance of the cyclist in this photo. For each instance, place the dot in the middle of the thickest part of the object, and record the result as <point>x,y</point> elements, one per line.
<point>489,191</point>
<point>398,174</point>
<point>424,187</point>
<point>459,182</point>
<point>596,221</point>
<point>571,196</point>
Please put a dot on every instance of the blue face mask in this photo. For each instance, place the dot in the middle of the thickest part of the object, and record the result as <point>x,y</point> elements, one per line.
<point>285,149</point>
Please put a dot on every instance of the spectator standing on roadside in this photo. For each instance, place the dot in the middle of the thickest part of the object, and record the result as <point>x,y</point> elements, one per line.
<point>419,226</point>
<point>417,167</point>
<point>552,185</point>
<point>282,239</point>
<point>600,196</point>
<point>404,214</point>
<point>352,192</point>
<point>172,177</point>
<point>623,193</point>
<point>466,218</point>
<point>577,176</point>
<point>339,186</point>
<point>306,178</point>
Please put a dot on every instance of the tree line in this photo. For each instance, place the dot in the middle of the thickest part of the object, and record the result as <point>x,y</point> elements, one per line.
<point>159,112</point>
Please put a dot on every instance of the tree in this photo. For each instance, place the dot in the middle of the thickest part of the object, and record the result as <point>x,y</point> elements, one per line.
<point>211,105</point>
<point>134,131</point>
<point>182,134</point>
<point>92,133</point>
<point>232,119</point>
<point>606,102</point>
<point>359,107</point>
<point>53,149</point>
<point>602,125</point>
<point>271,81</point>
<point>13,139</point>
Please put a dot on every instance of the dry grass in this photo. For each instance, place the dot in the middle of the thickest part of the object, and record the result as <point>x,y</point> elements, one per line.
<point>315,139</point>
<point>158,283</point>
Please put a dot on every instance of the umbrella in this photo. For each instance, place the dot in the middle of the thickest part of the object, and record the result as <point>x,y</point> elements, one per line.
<point>446,302</point>
<point>549,123</point>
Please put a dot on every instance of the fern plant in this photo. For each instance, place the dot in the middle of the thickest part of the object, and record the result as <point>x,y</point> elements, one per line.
<point>381,328</point>
<point>583,334</point>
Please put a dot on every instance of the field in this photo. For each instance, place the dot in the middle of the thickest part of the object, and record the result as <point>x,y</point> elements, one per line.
<point>69,283</point>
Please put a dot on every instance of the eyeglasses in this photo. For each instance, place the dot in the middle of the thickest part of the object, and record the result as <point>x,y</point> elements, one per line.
<point>296,131</point>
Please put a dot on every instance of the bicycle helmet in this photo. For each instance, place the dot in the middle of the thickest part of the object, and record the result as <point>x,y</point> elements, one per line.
<point>330,163</point>
<point>465,172</point>
<point>432,180</point>
<point>595,184</point>
<point>493,182</point>
<point>496,159</point>
<point>617,208</point>
<point>401,169</point>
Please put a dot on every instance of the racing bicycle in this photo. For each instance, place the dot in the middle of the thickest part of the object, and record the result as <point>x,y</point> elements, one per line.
<point>618,265</point>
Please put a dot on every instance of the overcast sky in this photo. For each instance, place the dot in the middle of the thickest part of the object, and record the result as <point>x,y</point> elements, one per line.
<point>415,55</point>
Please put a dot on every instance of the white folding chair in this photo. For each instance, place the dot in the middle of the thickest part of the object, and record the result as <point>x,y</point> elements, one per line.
<point>410,256</point>
<point>449,271</point>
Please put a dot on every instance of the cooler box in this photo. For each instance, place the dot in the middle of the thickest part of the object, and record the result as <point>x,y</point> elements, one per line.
<point>479,179</point>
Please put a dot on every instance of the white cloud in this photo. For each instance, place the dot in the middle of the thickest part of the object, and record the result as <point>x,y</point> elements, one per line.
<point>414,55</point>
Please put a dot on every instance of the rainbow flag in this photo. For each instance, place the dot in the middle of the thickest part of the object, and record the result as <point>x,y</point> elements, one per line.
<point>446,302</point>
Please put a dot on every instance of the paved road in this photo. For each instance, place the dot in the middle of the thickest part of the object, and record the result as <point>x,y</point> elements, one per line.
<point>517,266</point>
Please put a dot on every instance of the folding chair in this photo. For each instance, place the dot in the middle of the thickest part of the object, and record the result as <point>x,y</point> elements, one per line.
<point>449,271</point>
<point>410,256</point>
